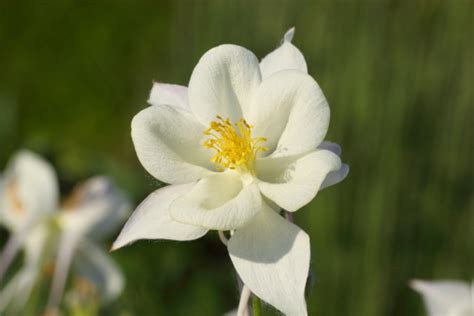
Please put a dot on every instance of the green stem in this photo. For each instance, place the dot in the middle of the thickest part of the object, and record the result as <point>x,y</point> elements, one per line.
<point>257,306</point>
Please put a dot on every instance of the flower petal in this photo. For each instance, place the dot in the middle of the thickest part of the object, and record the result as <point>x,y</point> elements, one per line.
<point>222,83</point>
<point>290,110</point>
<point>334,177</point>
<point>169,94</point>
<point>17,292</point>
<point>168,144</point>
<point>95,208</point>
<point>67,246</point>
<point>31,239</point>
<point>30,190</point>
<point>335,148</point>
<point>271,255</point>
<point>96,266</point>
<point>292,183</point>
<point>220,201</point>
<point>441,297</point>
<point>287,56</point>
<point>151,219</point>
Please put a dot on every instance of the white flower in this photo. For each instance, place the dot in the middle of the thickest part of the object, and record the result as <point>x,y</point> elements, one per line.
<point>29,209</point>
<point>446,298</point>
<point>28,196</point>
<point>244,140</point>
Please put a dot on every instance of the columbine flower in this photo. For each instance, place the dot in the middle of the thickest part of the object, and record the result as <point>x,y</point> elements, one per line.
<point>28,196</point>
<point>237,146</point>
<point>91,212</point>
<point>446,298</point>
<point>29,208</point>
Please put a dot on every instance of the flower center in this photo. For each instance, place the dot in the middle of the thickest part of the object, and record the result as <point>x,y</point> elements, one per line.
<point>235,148</point>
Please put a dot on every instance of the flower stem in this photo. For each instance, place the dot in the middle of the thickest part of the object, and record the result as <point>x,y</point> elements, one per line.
<point>222,237</point>
<point>243,310</point>
<point>257,306</point>
<point>10,250</point>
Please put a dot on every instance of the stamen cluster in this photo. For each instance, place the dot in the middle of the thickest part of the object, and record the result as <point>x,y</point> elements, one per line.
<point>235,148</point>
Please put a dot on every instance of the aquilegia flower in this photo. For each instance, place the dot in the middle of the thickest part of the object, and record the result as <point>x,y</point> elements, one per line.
<point>237,146</point>
<point>446,298</point>
<point>50,233</point>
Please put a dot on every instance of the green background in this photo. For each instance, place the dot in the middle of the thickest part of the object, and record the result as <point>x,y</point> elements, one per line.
<point>399,79</point>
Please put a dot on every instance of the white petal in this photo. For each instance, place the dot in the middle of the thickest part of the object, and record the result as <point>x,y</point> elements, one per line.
<point>271,255</point>
<point>334,177</point>
<point>66,248</point>
<point>26,236</point>
<point>441,297</point>
<point>169,94</point>
<point>151,219</point>
<point>292,183</point>
<point>220,201</point>
<point>17,292</point>
<point>35,245</point>
<point>94,208</point>
<point>168,142</point>
<point>222,83</point>
<point>288,37</point>
<point>10,251</point>
<point>285,57</point>
<point>335,148</point>
<point>30,190</point>
<point>96,266</point>
<point>290,110</point>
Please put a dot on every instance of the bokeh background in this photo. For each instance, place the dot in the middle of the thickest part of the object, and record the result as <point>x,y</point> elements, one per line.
<point>399,78</point>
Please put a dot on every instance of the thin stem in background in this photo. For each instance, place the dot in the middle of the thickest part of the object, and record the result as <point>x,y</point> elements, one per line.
<point>243,309</point>
<point>10,250</point>
<point>245,293</point>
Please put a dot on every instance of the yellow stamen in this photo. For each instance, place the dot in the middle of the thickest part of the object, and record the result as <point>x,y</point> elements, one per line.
<point>235,148</point>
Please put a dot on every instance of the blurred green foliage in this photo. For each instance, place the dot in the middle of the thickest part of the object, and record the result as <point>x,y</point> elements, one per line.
<point>398,76</point>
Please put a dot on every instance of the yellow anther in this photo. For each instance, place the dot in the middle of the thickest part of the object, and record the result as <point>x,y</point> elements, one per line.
<point>235,148</point>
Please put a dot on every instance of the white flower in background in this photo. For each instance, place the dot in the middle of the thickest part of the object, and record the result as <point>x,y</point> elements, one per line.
<point>244,141</point>
<point>94,209</point>
<point>29,199</point>
<point>446,298</point>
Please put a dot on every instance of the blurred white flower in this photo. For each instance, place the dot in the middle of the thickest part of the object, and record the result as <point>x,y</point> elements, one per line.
<point>447,297</point>
<point>244,141</point>
<point>94,209</point>
<point>29,199</point>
